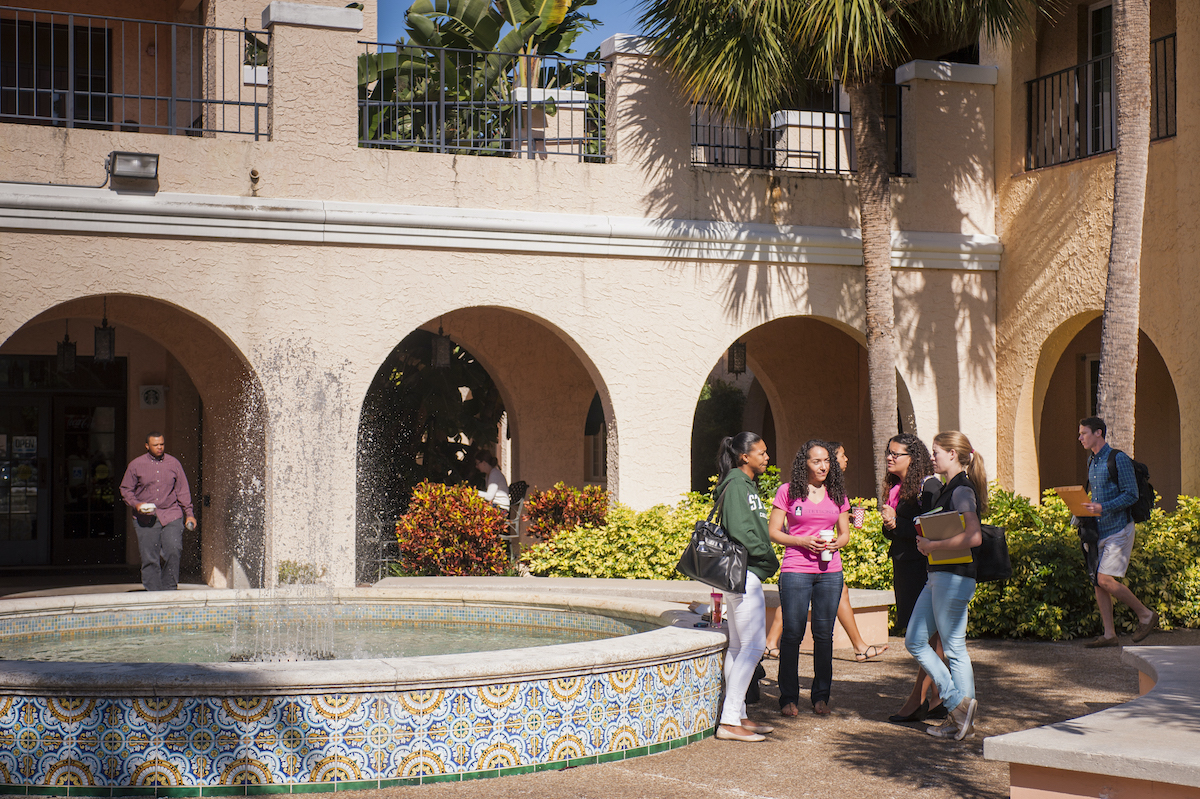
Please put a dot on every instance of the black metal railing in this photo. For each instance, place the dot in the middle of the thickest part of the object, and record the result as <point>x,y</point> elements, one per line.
<point>816,138</point>
<point>109,73</point>
<point>466,102</point>
<point>1072,113</point>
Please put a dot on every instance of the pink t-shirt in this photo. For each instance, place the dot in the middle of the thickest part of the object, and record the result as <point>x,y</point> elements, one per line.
<point>805,517</point>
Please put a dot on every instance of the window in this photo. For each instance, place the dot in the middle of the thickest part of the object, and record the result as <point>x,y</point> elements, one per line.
<point>44,80</point>
<point>1101,107</point>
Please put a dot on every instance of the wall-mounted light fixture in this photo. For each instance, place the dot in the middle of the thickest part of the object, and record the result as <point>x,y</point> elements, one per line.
<point>106,340</point>
<point>441,350</point>
<point>66,350</point>
<point>736,361</point>
<point>138,166</point>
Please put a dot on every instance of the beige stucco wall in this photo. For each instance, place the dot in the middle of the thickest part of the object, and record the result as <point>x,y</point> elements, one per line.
<point>281,318</point>
<point>1055,226</point>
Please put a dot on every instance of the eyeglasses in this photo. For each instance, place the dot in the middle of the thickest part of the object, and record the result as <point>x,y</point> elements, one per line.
<point>895,456</point>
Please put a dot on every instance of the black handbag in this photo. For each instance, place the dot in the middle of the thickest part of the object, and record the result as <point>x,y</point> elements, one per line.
<point>991,556</point>
<point>713,558</point>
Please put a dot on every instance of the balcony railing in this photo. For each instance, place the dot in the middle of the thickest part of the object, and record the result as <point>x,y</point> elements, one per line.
<point>108,73</point>
<point>1072,112</point>
<point>817,138</point>
<point>466,102</point>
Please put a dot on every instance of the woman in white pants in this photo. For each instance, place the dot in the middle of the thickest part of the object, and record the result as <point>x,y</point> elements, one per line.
<point>744,516</point>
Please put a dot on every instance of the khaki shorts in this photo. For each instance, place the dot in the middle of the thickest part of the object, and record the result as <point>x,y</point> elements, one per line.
<point>1115,551</point>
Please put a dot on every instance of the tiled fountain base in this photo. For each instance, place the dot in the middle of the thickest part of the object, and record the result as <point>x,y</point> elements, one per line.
<point>229,742</point>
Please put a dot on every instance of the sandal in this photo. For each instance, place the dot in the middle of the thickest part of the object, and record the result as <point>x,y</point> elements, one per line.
<point>771,653</point>
<point>872,651</point>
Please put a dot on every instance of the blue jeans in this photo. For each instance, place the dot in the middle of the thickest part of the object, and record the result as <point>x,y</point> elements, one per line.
<point>797,592</point>
<point>942,608</point>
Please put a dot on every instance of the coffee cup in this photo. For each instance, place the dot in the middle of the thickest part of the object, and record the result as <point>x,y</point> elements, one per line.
<point>828,536</point>
<point>146,508</point>
<point>857,515</point>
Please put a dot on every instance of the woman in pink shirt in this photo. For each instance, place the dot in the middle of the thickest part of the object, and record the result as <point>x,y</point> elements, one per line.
<point>811,518</point>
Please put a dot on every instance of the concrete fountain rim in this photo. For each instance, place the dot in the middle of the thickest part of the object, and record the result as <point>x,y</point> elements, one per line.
<point>675,640</point>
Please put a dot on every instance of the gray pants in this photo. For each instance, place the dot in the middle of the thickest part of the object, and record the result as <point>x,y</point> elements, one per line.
<point>160,546</point>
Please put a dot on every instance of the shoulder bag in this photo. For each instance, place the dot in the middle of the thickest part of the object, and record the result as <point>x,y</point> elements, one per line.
<point>713,558</point>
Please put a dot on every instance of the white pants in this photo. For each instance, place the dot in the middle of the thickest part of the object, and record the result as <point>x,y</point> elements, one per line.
<point>746,618</point>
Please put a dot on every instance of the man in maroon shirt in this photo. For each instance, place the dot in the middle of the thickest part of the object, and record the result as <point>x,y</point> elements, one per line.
<point>157,490</point>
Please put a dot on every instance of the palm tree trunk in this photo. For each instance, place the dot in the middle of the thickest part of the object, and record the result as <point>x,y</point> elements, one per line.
<point>1119,336</point>
<point>875,219</point>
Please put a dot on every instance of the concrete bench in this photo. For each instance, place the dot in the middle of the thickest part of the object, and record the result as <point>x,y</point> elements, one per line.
<point>1146,748</point>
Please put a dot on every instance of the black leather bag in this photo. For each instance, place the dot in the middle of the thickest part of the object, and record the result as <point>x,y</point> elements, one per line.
<point>991,556</point>
<point>713,558</point>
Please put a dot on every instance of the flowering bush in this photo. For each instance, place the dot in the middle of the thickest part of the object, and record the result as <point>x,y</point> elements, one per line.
<point>564,508</point>
<point>451,531</point>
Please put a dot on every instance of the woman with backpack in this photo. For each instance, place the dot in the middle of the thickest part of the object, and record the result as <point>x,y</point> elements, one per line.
<point>744,516</point>
<point>942,605</point>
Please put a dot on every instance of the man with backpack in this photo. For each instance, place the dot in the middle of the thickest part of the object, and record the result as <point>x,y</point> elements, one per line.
<point>1114,492</point>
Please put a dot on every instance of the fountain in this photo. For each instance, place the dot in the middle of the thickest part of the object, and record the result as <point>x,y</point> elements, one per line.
<point>632,684</point>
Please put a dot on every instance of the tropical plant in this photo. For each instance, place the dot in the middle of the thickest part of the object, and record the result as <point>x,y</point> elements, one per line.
<point>451,531</point>
<point>421,423</point>
<point>452,83</point>
<point>753,56</point>
<point>1122,292</point>
<point>564,507</point>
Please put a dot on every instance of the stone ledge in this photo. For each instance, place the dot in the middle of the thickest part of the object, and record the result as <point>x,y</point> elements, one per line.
<point>947,71</point>
<point>308,16</point>
<point>1154,738</point>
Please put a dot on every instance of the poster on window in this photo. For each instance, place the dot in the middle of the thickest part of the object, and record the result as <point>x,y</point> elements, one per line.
<point>3,445</point>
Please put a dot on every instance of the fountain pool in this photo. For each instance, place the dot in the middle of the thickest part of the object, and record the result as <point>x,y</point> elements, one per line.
<point>222,728</point>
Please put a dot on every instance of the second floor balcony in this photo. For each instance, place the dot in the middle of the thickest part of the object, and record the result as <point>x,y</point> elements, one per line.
<point>112,73</point>
<point>1072,113</point>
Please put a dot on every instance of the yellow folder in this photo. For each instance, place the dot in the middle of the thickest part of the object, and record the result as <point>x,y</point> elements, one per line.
<point>939,527</point>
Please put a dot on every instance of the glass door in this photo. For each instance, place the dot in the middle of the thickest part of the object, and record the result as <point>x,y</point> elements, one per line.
<point>24,484</point>
<point>89,462</point>
<point>1102,119</point>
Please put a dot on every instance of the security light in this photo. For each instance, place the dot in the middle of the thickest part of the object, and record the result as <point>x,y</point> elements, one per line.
<point>139,166</point>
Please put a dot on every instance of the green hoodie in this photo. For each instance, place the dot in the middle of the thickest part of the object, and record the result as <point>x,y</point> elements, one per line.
<point>744,517</point>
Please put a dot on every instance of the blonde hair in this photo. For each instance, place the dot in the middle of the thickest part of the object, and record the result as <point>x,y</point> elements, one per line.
<point>970,460</point>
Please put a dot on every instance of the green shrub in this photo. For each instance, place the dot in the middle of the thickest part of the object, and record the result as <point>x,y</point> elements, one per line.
<point>451,531</point>
<point>564,507</point>
<point>1050,595</point>
<point>638,546</point>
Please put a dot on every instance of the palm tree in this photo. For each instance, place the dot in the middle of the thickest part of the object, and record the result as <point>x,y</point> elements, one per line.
<point>750,57</point>
<point>1119,335</point>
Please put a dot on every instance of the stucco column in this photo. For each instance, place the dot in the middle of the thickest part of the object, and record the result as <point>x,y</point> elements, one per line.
<point>313,398</point>
<point>313,98</point>
<point>648,121</point>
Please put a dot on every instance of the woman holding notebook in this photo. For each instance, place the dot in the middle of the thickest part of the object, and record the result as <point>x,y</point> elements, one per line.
<point>942,604</point>
<point>811,518</point>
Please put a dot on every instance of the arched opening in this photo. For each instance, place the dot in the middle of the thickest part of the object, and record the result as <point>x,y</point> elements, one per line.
<point>1070,395</point>
<point>805,378</point>
<point>68,431</point>
<point>539,410</point>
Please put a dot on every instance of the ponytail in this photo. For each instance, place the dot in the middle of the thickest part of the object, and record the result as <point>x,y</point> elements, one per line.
<point>729,456</point>
<point>971,461</point>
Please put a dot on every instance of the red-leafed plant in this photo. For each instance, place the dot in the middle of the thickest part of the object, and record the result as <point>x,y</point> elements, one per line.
<point>564,507</point>
<point>451,531</point>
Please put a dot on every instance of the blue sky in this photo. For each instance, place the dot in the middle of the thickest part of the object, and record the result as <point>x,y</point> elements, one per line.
<point>616,16</point>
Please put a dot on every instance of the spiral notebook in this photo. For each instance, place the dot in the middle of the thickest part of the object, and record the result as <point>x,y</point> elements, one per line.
<point>939,527</point>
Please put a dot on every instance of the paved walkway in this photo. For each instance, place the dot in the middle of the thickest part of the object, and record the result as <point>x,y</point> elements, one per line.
<point>854,752</point>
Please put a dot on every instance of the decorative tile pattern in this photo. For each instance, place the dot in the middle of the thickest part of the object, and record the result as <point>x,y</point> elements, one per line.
<point>248,742</point>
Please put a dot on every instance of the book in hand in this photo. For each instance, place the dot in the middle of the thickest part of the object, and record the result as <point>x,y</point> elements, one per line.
<point>1075,496</point>
<point>939,527</point>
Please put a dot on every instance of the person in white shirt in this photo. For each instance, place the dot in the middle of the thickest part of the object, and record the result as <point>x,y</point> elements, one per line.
<point>497,487</point>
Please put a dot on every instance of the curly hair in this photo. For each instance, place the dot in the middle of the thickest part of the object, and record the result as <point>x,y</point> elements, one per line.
<point>835,484</point>
<point>920,466</point>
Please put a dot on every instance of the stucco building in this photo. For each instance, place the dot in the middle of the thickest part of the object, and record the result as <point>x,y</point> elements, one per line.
<point>259,281</point>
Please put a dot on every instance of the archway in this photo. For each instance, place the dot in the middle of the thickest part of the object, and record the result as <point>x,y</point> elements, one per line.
<point>173,372</point>
<point>557,422</point>
<point>1070,382</point>
<point>806,378</point>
